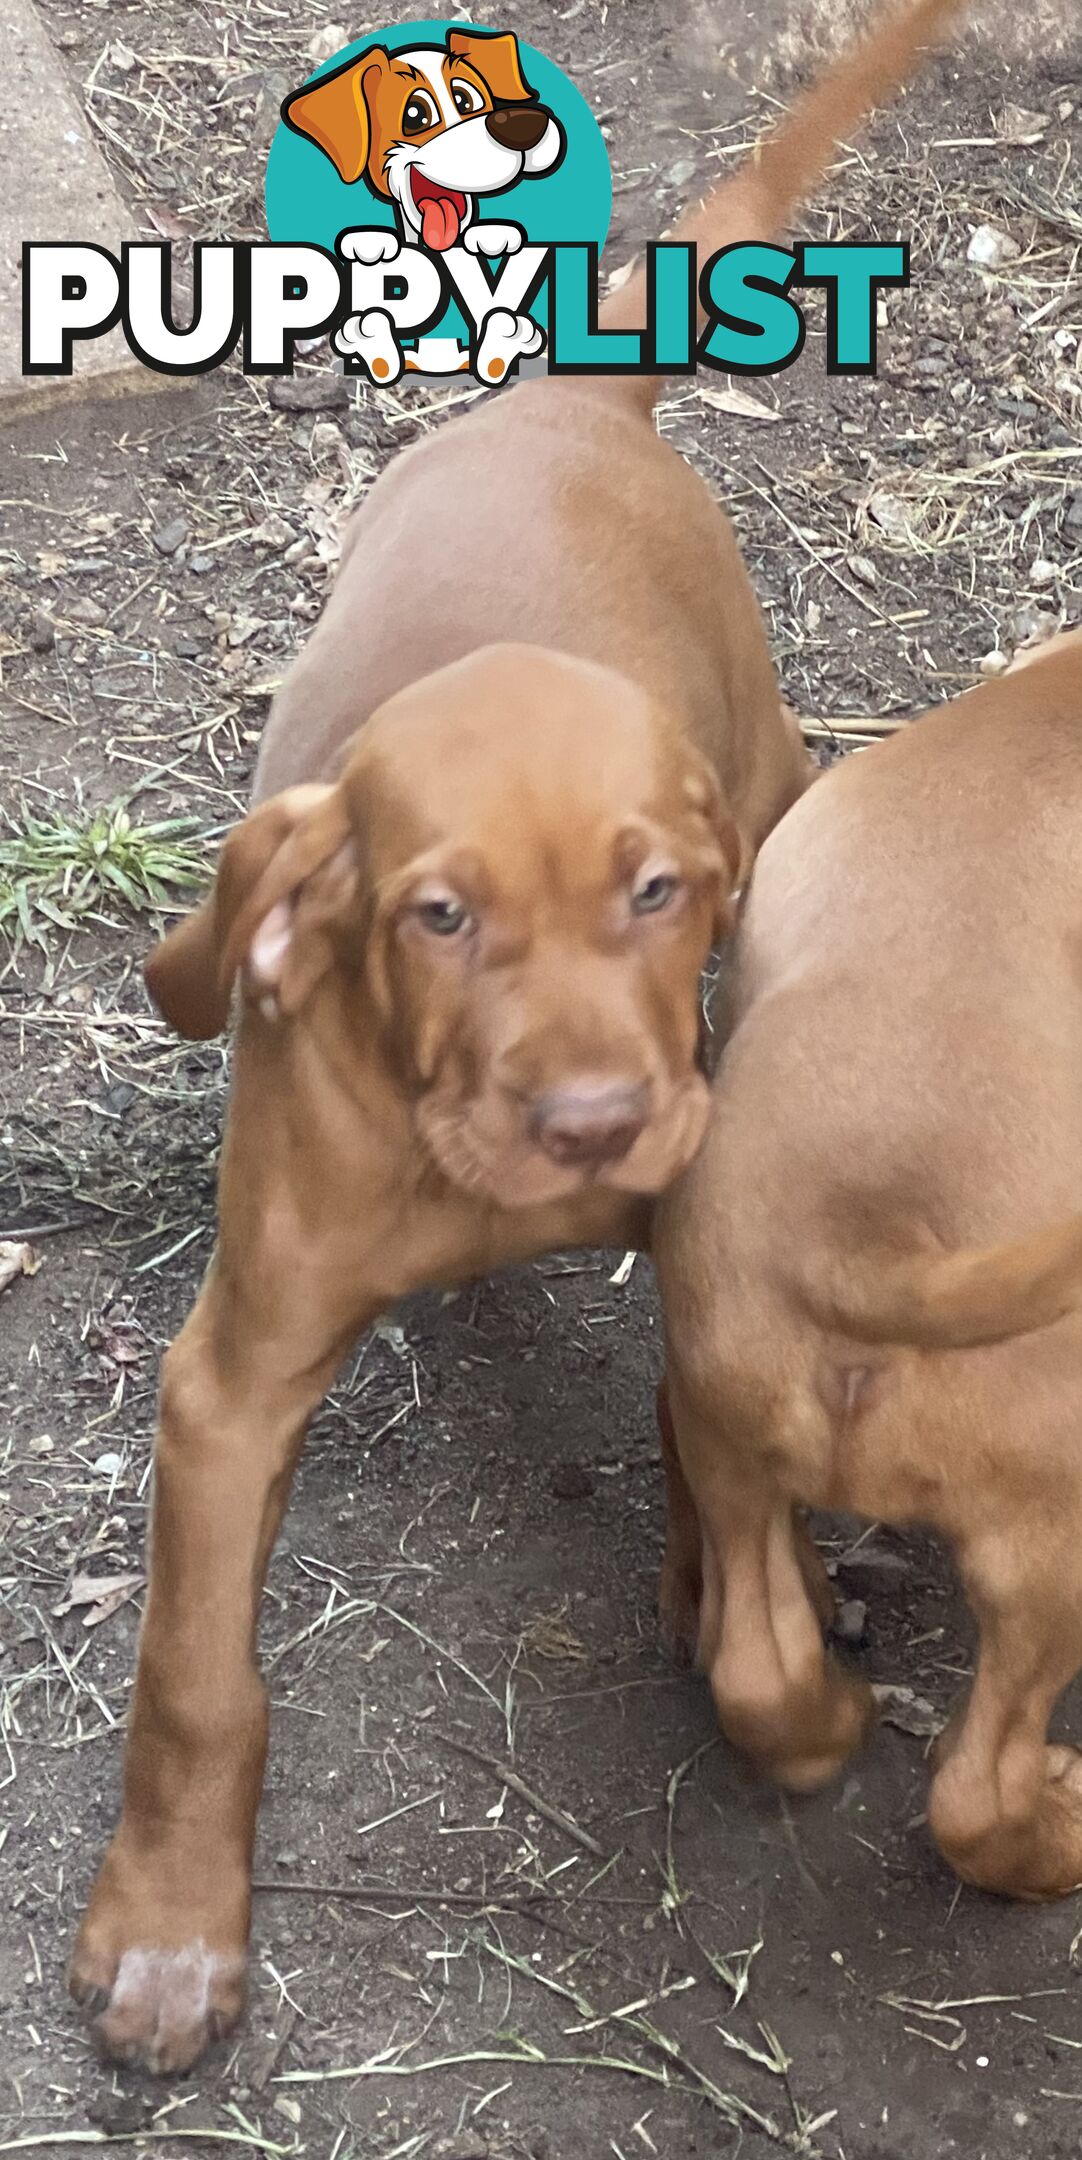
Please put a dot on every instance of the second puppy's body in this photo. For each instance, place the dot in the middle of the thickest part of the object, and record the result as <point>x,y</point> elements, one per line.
<point>873,1272</point>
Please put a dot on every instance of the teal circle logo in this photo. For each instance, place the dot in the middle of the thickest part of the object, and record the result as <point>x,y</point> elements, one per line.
<point>457,141</point>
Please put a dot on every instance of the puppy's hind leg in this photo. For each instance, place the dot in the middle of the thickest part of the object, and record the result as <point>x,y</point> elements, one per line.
<point>781,1699</point>
<point>681,1586</point>
<point>1005,1807</point>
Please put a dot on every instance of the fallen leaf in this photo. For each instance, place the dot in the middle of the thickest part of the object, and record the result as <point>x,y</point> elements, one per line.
<point>103,1595</point>
<point>740,402</point>
<point>167,222</point>
<point>264,687</point>
<point>1015,125</point>
<point>16,1258</point>
<point>890,514</point>
<point>325,517</point>
<point>911,1713</point>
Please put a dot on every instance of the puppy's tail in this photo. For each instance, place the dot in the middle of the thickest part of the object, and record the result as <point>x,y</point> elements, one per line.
<point>957,1300</point>
<point>757,201</point>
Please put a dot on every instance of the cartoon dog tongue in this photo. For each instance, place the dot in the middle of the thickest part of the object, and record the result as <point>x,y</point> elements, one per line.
<point>440,222</point>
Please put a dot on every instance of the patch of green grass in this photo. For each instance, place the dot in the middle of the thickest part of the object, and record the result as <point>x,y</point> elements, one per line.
<point>76,866</point>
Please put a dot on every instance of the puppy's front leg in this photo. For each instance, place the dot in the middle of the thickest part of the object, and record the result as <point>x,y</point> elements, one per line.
<point>160,1957</point>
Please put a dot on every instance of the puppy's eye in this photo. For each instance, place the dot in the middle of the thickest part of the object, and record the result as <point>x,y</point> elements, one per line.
<point>444,917</point>
<point>467,98</point>
<point>655,893</point>
<point>420,113</point>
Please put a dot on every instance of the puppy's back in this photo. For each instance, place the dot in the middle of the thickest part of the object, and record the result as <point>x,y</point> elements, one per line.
<point>906,1054</point>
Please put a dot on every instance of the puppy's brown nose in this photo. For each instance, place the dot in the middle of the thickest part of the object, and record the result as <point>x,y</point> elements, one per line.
<point>589,1126</point>
<point>517,127</point>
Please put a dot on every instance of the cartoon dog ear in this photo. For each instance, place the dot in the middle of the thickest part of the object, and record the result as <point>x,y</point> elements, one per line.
<point>336,115</point>
<point>495,57</point>
<point>285,877</point>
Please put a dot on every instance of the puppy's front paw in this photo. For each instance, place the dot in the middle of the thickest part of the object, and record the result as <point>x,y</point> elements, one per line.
<point>371,245</point>
<point>492,239</point>
<point>159,1983</point>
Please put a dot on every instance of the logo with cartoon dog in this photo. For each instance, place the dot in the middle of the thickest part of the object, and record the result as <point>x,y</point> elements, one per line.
<point>437,199</point>
<point>443,164</point>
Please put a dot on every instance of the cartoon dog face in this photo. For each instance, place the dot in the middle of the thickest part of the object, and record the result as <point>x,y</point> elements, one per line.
<point>432,128</point>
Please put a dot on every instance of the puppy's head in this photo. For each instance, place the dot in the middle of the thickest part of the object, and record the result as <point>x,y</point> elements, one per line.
<point>516,885</point>
<point>431,128</point>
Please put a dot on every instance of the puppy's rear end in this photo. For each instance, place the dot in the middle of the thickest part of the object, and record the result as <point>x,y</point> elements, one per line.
<point>873,1273</point>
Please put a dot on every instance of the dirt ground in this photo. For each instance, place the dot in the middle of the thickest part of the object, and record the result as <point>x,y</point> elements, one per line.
<point>684,1964</point>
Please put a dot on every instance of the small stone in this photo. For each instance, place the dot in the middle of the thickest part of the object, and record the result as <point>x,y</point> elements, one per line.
<point>679,174</point>
<point>1032,625</point>
<point>108,1465</point>
<point>308,393</point>
<point>86,611</point>
<point>931,363</point>
<point>850,1621</point>
<point>990,247</point>
<point>169,537</point>
<point>1042,572</point>
<point>326,439</point>
<point>287,1857</point>
<point>994,663</point>
<point>863,569</point>
<point>42,632</point>
<point>325,42</point>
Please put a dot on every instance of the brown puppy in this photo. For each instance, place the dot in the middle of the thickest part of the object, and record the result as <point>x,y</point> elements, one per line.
<point>469,935</point>
<point>872,1275</point>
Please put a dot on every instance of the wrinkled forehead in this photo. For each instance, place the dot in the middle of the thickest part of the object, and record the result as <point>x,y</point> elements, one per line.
<point>541,776</point>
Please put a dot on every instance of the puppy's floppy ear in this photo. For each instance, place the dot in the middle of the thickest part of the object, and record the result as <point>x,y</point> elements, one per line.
<point>496,59</point>
<point>702,790</point>
<point>284,878</point>
<point>335,113</point>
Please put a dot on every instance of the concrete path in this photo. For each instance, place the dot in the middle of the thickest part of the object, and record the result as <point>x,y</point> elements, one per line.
<point>56,187</point>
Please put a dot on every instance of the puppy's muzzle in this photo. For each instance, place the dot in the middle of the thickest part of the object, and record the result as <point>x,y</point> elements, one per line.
<point>515,128</point>
<point>587,1127</point>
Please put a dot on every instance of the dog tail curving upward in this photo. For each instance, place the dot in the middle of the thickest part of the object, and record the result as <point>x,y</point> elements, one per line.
<point>955,1300</point>
<point>759,199</point>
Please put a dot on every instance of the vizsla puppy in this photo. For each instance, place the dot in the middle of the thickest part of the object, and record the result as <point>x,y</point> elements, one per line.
<point>872,1275</point>
<point>468,919</point>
